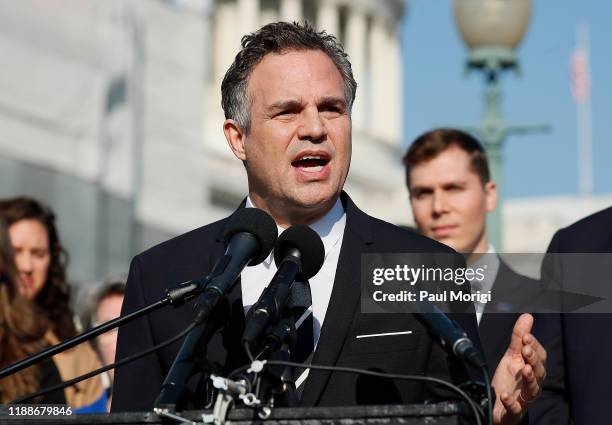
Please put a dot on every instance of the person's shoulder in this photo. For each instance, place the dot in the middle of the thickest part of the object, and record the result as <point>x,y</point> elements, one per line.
<point>197,240</point>
<point>513,279</point>
<point>405,240</point>
<point>589,233</point>
<point>505,268</point>
<point>600,220</point>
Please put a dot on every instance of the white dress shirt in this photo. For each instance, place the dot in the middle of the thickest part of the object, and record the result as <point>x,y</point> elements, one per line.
<point>331,230</point>
<point>490,262</point>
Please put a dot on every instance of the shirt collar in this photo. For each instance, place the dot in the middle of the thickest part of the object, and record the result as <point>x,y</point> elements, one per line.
<point>490,261</point>
<point>330,227</point>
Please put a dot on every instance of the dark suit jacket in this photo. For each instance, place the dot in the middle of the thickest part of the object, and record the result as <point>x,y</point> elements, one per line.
<point>587,338</point>
<point>192,255</point>
<point>496,331</point>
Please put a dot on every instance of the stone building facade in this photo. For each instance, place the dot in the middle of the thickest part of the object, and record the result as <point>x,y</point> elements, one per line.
<point>110,112</point>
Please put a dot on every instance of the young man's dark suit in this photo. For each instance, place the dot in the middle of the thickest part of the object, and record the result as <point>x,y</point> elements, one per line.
<point>192,255</point>
<point>587,338</point>
<point>496,330</point>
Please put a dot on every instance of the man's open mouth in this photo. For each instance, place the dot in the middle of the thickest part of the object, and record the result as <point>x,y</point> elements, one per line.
<point>311,163</point>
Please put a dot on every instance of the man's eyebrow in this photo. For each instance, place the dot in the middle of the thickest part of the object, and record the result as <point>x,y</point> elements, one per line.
<point>333,101</point>
<point>455,183</point>
<point>285,104</point>
<point>420,188</point>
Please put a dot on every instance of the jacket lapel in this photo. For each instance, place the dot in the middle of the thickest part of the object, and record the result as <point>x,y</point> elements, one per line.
<point>494,328</point>
<point>344,300</point>
<point>234,295</point>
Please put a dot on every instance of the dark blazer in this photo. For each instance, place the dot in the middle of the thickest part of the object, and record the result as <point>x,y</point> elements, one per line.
<point>193,254</point>
<point>586,337</point>
<point>496,331</point>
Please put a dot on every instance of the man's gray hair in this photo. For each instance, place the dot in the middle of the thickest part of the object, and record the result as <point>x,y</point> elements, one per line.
<point>277,37</point>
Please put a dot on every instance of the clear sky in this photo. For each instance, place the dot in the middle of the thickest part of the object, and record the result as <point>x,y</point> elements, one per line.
<point>437,92</point>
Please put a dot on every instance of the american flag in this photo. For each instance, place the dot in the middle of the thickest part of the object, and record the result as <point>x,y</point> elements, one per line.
<point>581,77</point>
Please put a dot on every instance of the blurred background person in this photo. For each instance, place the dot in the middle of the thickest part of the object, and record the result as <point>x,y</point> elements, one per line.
<point>587,344</point>
<point>451,192</point>
<point>21,334</point>
<point>41,264</point>
<point>104,305</point>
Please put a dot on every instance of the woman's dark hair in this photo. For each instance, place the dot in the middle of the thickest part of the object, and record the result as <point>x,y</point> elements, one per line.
<point>21,328</point>
<point>54,298</point>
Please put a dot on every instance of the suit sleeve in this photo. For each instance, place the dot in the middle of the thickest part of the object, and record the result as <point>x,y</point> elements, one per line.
<point>553,405</point>
<point>137,383</point>
<point>550,271</point>
<point>555,243</point>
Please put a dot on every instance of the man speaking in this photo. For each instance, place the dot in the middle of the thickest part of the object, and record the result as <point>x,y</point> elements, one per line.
<point>287,99</point>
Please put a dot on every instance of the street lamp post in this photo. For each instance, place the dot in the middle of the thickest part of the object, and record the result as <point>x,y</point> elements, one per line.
<point>492,29</point>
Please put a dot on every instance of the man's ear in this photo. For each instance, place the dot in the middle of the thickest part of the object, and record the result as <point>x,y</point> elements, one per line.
<point>490,189</point>
<point>235,138</point>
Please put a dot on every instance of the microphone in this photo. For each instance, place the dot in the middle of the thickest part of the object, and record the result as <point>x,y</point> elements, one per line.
<point>299,255</point>
<point>249,237</point>
<point>449,334</point>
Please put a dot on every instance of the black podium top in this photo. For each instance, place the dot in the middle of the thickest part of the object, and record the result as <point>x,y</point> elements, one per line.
<point>438,414</point>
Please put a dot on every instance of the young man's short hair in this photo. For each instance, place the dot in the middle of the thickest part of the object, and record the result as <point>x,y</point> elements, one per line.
<point>432,143</point>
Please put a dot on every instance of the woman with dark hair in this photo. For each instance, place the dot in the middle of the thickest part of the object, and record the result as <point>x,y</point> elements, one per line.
<point>21,334</point>
<point>41,262</point>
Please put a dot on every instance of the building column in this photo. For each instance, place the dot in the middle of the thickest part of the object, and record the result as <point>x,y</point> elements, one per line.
<point>356,45</point>
<point>267,15</point>
<point>291,10</point>
<point>248,12</point>
<point>396,88</point>
<point>226,39</point>
<point>386,82</point>
<point>328,18</point>
<point>224,46</point>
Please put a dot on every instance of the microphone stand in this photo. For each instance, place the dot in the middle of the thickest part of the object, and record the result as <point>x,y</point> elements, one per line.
<point>277,381</point>
<point>210,304</point>
<point>174,393</point>
<point>176,296</point>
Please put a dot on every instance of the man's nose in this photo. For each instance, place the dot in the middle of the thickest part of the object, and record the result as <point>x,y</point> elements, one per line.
<point>440,204</point>
<point>312,127</point>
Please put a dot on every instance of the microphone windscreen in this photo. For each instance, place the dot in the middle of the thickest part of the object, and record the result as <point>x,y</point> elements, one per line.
<point>259,224</point>
<point>307,242</point>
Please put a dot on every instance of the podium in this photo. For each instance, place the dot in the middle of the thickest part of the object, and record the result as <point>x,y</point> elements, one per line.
<point>446,413</point>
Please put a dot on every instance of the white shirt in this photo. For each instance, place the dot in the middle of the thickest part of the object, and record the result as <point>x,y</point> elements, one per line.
<point>331,230</point>
<point>490,262</point>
